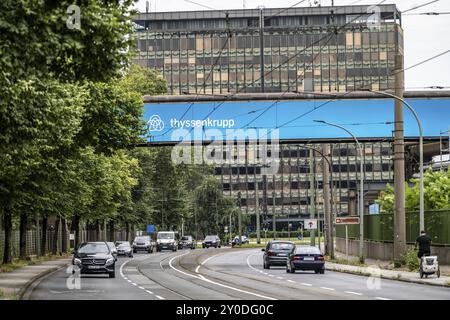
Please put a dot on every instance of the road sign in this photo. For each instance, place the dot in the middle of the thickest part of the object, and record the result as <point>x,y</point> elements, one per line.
<point>347,220</point>
<point>374,208</point>
<point>310,224</point>
<point>150,228</point>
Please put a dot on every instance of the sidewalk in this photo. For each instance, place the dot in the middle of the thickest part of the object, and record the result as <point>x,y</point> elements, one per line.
<point>13,284</point>
<point>384,269</point>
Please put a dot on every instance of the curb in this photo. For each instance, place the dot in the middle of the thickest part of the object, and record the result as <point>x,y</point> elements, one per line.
<point>26,290</point>
<point>389,278</point>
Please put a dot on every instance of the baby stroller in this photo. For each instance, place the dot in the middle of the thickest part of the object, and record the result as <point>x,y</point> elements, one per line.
<point>429,265</point>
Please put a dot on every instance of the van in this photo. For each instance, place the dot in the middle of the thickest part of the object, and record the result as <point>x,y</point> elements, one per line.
<point>167,240</point>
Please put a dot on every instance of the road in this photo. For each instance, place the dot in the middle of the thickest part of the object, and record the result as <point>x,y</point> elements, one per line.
<point>225,274</point>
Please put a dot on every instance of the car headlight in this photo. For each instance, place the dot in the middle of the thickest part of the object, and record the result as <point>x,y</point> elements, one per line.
<point>110,261</point>
<point>77,262</point>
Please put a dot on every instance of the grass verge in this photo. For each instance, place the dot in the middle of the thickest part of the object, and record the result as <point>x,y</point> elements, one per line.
<point>19,263</point>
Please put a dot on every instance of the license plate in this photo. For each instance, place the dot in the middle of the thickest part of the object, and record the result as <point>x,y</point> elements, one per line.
<point>308,258</point>
<point>282,255</point>
<point>94,267</point>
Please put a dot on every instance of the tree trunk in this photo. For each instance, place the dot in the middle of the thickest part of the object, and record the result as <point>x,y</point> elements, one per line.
<point>23,236</point>
<point>44,236</point>
<point>127,231</point>
<point>111,230</point>
<point>56,237</point>
<point>97,230</point>
<point>7,222</point>
<point>76,228</point>
<point>64,247</point>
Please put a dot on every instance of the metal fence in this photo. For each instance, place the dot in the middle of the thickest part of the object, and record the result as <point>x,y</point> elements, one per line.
<point>31,240</point>
<point>380,227</point>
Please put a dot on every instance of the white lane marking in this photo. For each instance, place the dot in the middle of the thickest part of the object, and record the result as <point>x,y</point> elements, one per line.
<point>326,288</point>
<point>271,275</point>
<point>265,273</point>
<point>148,291</point>
<point>352,292</point>
<point>125,278</point>
<point>204,261</point>
<point>121,268</point>
<point>134,284</point>
<point>129,281</point>
<point>250,266</point>
<point>306,284</point>
<point>281,278</point>
<point>142,288</point>
<point>290,281</point>
<point>196,269</point>
<point>159,297</point>
<point>381,298</point>
<point>213,282</point>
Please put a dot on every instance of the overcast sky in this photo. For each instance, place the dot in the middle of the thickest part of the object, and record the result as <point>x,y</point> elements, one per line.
<point>425,36</point>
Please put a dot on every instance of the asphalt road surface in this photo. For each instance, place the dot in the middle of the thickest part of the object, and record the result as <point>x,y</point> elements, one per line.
<point>225,274</point>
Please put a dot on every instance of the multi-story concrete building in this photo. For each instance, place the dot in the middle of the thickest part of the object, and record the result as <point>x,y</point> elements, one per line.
<point>320,49</point>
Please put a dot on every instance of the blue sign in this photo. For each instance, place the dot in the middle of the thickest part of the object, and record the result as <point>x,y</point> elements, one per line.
<point>374,208</point>
<point>150,228</point>
<point>294,119</point>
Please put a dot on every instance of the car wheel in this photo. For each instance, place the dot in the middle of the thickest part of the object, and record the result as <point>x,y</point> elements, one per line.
<point>287,269</point>
<point>112,274</point>
<point>322,271</point>
<point>316,271</point>
<point>267,266</point>
<point>292,270</point>
<point>134,250</point>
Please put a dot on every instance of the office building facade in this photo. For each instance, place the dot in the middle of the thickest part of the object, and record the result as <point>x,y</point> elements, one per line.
<point>319,49</point>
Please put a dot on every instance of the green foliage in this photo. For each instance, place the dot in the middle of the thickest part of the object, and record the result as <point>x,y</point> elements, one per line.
<point>436,193</point>
<point>410,260</point>
<point>35,39</point>
<point>144,81</point>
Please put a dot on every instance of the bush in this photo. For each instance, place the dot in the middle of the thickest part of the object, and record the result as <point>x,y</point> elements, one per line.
<point>411,261</point>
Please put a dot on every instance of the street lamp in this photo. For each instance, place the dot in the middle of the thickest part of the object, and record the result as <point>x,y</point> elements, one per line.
<point>421,194</point>
<point>361,192</point>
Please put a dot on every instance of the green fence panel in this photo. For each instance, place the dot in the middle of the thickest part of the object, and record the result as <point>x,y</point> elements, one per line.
<point>380,227</point>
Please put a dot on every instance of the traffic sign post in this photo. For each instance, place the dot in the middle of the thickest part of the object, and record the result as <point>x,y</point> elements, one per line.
<point>346,221</point>
<point>310,224</point>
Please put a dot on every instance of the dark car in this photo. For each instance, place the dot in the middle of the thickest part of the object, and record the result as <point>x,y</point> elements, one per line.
<point>124,249</point>
<point>186,242</point>
<point>143,243</point>
<point>94,257</point>
<point>211,241</point>
<point>305,258</point>
<point>276,253</point>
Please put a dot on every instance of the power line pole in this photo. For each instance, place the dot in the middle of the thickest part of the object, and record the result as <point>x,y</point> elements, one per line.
<point>261,47</point>
<point>326,203</point>
<point>240,219</point>
<point>258,222</point>
<point>312,197</point>
<point>399,165</point>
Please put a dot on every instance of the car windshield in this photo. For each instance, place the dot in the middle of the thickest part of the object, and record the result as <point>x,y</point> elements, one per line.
<point>142,239</point>
<point>281,246</point>
<point>209,238</point>
<point>307,250</point>
<point>166,235</point>
<point>124,245</point>
<point>93,248</point>
<point>185,238</point>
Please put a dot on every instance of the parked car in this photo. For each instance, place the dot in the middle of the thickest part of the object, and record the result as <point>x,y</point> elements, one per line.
<point>167,240</point>
<point>187,242</point>
<point>236,241</point>
<point>305,258</point>
<point>211,241</point>
<point>124,249</point>
<point>113,249</point>
<point>276,253</point>
<point>143,243</point>
<point>94,257</point>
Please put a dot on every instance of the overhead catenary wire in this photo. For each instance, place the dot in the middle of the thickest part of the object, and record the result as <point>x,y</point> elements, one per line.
<point>335,30</point>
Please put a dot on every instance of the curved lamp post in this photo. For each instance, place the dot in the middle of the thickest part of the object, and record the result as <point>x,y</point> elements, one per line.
<point>421,195</point>
<point>361,192</point>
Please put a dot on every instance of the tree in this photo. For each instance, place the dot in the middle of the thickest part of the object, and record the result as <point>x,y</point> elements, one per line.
<point>144,81</point>
<point>436,193</point>
<point>212,207</point>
